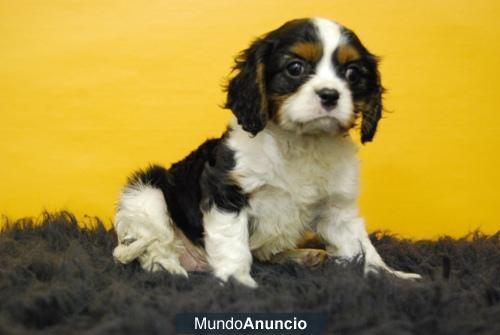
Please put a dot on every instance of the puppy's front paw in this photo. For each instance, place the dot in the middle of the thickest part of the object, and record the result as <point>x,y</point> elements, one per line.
<point>244,279</point>
<point>395,273</point>
<point>406,275</point>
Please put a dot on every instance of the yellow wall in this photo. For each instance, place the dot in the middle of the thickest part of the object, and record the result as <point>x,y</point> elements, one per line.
<point>91,90</point>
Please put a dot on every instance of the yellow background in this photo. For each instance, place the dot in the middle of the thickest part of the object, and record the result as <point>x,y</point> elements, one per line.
<point>91,90</point>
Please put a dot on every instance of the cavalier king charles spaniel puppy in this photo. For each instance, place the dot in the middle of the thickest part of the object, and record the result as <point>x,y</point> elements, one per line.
<point>286,165</point>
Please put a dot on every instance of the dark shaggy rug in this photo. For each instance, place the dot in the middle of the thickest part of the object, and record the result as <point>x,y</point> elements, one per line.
<point>57,278</point>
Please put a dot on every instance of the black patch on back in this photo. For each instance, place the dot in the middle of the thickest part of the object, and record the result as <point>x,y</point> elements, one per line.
<point>218,187</point>
<point>200,178</point>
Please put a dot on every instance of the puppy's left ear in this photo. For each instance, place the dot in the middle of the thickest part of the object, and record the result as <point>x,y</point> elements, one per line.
<point>246,92</point>
<point>371,109</point>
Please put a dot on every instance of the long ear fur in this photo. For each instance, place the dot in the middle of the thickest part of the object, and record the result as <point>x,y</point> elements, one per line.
<point>372,111</point>
<point>246,92</point>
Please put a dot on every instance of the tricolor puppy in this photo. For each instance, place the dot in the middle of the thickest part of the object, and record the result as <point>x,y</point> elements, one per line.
<point>285,165</point>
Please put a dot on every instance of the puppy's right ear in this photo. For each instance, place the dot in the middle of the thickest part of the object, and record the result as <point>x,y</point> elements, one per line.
<point>246,92</point>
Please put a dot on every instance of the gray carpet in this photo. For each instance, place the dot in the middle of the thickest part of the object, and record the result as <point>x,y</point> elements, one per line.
<point>56,278</point>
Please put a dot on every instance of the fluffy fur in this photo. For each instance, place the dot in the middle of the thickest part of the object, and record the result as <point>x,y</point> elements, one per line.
<point>286,164</point>
<point>58,278</point>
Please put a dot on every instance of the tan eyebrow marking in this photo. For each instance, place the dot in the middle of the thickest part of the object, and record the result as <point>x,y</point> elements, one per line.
<point>347,53</point>
<point>309,51</point>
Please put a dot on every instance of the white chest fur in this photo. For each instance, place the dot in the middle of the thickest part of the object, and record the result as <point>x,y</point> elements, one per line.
<point>291,180</point>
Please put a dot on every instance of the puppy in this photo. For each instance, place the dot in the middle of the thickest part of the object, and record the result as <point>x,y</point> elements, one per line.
<point>285,165</point>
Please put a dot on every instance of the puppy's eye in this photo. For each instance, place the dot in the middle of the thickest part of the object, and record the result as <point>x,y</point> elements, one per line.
<point>295,69</point>
<point>352,75</point>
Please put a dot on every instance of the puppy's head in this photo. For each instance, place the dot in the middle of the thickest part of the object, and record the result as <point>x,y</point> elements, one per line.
<point>309,76</point>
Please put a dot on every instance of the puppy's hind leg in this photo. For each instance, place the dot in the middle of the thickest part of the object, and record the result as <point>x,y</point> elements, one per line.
<point>145,230</point>
<point>163,256</point>
<point>303,256</point>
<point>310,252</point>
<point>130,249</point>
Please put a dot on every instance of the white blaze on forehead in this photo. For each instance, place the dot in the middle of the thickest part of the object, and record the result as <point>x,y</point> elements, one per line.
<point>330,36</point>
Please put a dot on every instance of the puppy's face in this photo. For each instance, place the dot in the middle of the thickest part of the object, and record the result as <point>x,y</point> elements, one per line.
<point>309,76</point>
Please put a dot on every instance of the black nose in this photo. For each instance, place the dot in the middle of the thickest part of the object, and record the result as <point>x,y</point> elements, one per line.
<point>328,96</point>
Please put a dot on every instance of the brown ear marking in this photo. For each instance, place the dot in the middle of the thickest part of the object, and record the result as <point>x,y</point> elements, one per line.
<point>347,53</point>
<point>371,111</point>
<point>309,51</point>
<point>261,84</point>
<point>276,103</point>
